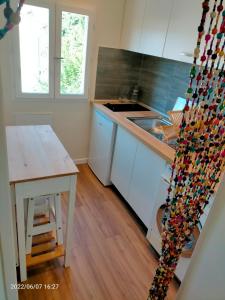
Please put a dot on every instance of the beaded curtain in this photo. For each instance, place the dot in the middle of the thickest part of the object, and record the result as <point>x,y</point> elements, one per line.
<point>200,154</point>
<point>12,17</point>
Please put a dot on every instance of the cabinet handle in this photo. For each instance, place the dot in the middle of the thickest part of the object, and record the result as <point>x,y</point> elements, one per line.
<point>187,54</point>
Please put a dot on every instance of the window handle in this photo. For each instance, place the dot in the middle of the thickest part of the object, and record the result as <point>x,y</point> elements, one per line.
<point>58,58</point>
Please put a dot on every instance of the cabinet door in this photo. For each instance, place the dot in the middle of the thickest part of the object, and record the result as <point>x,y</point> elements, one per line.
<point>153,232</point>
<point>101,146</point>
<point>132,25</point>
<point>182,32</point>
<point>123,160</point>
<point>144,185</point>
<point>155,25</point>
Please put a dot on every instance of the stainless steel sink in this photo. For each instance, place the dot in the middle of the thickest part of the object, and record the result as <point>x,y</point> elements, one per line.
<point>149,122</point>
<point>152,126</point>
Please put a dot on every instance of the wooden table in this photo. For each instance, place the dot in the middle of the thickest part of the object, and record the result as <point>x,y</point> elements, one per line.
<point>38,165</point>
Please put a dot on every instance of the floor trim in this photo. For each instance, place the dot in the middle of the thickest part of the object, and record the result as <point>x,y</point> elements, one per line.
<point>80,161</point>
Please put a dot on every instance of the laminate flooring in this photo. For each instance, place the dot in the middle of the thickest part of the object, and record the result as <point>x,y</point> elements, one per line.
<point>112,260</point>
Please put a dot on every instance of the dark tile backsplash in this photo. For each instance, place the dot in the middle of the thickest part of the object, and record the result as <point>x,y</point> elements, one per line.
<point>161,80</point>
<point>117,72</point>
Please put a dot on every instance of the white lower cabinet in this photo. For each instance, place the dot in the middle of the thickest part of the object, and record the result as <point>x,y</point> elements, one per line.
<point>136,173</point>
<point>147,170</point>
<point>123,160</point>
<point>101,146</point>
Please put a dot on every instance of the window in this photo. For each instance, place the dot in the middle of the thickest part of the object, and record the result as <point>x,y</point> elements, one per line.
<point>52,57</point>
<point>74,28</point>
<point>34,49</point>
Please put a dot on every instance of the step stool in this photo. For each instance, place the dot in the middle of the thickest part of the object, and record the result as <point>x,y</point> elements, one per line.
<point>44,217</point>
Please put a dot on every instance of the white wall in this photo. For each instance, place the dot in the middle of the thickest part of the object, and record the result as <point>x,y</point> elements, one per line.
<point>205,279</point>
<point>7,254</point>
<point>71,120</point>
<point>2,281</point>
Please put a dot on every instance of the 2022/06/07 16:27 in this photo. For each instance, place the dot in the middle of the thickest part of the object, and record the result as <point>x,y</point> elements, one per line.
<point>37,286</point>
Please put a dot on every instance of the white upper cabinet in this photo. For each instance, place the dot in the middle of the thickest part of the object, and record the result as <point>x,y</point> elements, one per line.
<point>155,25</point>
<point>182,32</point>
<point>164,28</point>
<point>145,26</point>
<point>132,25</point>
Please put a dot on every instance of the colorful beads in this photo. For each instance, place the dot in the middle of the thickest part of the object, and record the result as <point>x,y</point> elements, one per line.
<point>213,14</point>
<point>220,8</point>
<point>189,90</point>
<point>200,28</point>
<point>12,18</point>
<point>214,31</point>
<point>200,156</point>
<point>207,37</point>
<point>203,58</point>
<point>219,35</point>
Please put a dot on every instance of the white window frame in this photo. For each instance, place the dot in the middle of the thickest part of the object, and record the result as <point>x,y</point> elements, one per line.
<point>78,10</point>
<point>16,49</point>
<point>54,51</point>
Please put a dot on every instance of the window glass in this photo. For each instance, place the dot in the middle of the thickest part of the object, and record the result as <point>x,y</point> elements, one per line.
<point>34,49</point>
<point>74,31</point>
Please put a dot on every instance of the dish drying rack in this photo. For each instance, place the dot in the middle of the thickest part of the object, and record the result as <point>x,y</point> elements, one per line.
<point>171,131</point>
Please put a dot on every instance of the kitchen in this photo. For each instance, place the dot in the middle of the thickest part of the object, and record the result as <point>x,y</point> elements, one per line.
<point>136,50</point>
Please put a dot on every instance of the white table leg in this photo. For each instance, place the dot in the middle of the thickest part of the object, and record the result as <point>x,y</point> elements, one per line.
<point>30,224</point>
<point>21,233</point>
<point>58,217</point>
<point>70,213</point>
<point>13,200</point>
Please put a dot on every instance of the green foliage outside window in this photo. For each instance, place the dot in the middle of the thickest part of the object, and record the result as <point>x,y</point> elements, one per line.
<point>73,52</point>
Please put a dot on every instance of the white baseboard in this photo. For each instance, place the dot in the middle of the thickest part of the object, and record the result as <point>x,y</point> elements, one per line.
<point>81,161</point>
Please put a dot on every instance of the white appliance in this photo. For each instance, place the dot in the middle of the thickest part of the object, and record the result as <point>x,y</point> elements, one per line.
<point>101,146</point>
<point>154,235</point>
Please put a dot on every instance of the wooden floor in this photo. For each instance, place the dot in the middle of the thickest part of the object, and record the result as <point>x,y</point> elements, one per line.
<point>112,260</point>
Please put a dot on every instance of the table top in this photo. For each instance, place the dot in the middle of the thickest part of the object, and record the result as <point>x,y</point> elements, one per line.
<point>35,152</point>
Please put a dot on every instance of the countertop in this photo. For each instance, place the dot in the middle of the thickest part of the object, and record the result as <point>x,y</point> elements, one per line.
<point>149,140</point>
<point>35,152</point>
